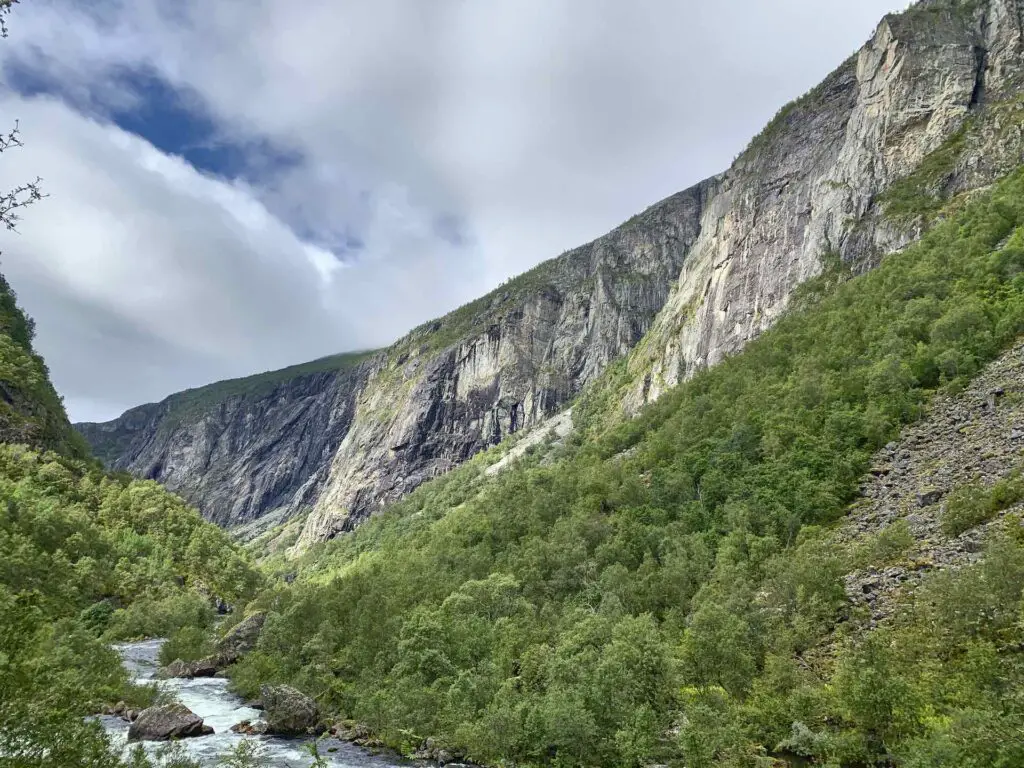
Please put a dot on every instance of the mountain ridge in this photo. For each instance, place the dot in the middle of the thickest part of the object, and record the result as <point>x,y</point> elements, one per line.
<point>927,109</point>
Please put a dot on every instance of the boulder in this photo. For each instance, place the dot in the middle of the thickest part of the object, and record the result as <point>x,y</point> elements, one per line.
<point>240,639</point>
<point>176,668</point>
<point>250,728</point>
<point>289,712</point>
<point>207,667</point>
<point>168,721</point>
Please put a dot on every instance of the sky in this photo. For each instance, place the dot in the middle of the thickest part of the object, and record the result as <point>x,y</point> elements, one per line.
<point>241,185</point>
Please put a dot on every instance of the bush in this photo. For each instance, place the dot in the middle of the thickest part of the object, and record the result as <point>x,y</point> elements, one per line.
<point>190,643</point>
<point>160,617</point>
<point>973,504</point>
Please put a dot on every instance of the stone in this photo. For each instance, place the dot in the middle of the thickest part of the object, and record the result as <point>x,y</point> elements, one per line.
<point>241,639</point>
<point>288,711</point>
<point>207,667</point>
<point>176,668</point>
<point>168,721</point>
<point>250,727</point>
<point>929,497</point>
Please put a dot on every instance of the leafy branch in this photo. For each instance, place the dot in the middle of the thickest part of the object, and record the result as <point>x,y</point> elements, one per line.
<point>21,196</point>
<point>5,8</point>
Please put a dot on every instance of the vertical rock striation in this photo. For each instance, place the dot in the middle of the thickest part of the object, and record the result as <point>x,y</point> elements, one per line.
<point>928,107</point>
<point>243,448</point>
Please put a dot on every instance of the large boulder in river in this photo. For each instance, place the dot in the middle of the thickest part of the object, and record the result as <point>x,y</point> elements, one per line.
<point>168,721</point>
<point>207,667</point>
<point>241,638</point>
<point>289,712</point>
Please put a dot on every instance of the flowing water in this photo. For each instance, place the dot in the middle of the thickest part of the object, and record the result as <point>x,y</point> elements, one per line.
<point>209,698</point>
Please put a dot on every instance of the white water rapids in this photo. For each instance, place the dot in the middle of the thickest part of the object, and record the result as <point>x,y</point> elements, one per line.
<point>209,698</point>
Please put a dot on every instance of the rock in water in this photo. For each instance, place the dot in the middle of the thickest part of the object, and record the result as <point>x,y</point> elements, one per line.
<point>288,711</point>
<point>241,639</point>
<point>207,667</point>
<point>169,721</point>
<point>250,728</point>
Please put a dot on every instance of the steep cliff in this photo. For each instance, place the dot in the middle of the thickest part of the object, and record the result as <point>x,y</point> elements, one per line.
<point>242,448</point>
<point>928,109</point>
<point>347,435</point>
<point>504,362</point>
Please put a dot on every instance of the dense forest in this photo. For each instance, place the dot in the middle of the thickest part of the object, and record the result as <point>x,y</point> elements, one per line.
<point>88,558</point>
<point>669,589</point>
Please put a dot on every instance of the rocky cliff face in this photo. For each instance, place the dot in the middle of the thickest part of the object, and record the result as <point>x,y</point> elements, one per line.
<point>240,449</point>
<point>928,109</point>
<point>519,355</point>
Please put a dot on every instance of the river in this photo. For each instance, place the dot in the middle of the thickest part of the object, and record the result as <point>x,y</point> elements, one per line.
<point>209,698</point>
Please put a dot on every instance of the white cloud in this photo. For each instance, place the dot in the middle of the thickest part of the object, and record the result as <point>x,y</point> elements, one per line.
<point>537,124</point>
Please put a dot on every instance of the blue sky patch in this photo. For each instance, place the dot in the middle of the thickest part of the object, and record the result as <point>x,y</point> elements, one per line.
<point>174,120</point>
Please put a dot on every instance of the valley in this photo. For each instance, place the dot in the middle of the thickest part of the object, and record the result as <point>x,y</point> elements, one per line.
<point>737,484</point>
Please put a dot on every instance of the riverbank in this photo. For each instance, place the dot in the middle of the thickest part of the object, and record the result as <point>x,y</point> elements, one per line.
<point>210,699</point>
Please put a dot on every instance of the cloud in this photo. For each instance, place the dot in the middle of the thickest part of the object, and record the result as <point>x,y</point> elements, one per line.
<point>361,167</point>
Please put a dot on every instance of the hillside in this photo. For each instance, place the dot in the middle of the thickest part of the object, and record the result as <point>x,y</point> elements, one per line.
<point>927,110</point>
<point>676,589</point>
<point>87,558</point>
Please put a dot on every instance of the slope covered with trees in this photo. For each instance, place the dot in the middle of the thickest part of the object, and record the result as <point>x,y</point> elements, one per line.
<point>670,590</point>
<point>87,557</point>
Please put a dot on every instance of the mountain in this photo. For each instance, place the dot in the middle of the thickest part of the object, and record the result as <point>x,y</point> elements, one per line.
<point>355,438</point>
<point>811,553</point>
<point>928,110</point>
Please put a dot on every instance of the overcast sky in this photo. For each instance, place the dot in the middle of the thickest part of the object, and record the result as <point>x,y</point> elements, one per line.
<point>239,185</point>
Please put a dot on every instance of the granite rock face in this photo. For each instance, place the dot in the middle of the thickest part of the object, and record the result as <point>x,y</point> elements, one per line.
<point>243,448</point>
<point>929,106</point>
<point>928,109</point>
<point>519,355</point>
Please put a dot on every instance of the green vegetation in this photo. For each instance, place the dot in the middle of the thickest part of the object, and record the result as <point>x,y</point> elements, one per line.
<point>668,590</point>
<point>974,504</point>
<point>886,547</point>
<point>31,411</point>
<point>203,398</point>
<point>921,193</point>
<point>87,557</point>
